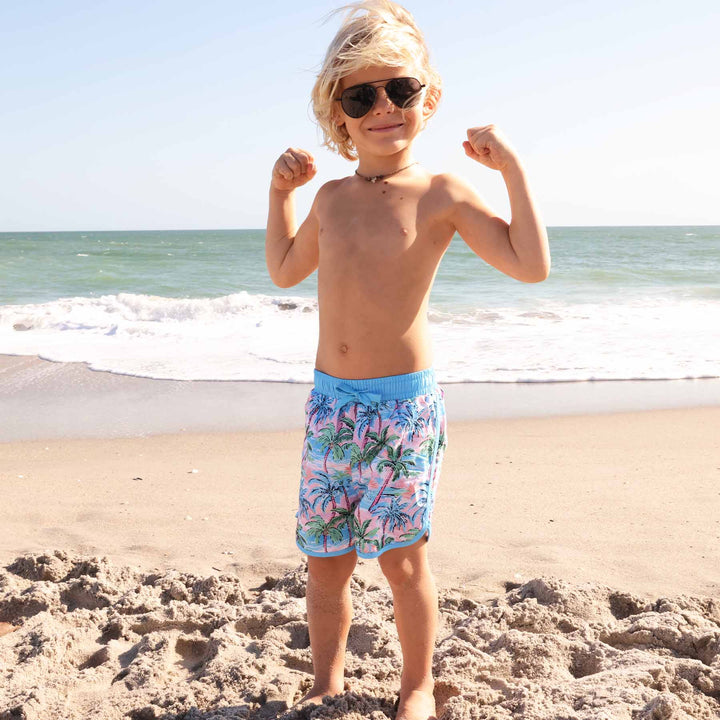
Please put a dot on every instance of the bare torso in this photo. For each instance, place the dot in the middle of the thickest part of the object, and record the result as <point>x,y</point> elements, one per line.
<point>380,245</point>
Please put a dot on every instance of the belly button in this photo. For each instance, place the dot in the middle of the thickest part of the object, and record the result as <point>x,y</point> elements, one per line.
<point>343,348</point>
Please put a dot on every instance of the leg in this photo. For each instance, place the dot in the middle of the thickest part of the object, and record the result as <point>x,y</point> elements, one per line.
<point>416,606</point>
<point>329,612</point>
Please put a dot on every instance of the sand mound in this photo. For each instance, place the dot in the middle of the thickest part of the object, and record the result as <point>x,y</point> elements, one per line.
<point>80,638</point>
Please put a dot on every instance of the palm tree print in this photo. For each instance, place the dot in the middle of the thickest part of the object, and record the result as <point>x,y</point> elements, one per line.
<point>391,449</point>
<point>317,528</point>
<point>326,490</point>
<point>364,418</point>
<point>428,447</point>
<point>335,441</point>
<point>380,441</point>
<point>304,505</point>
<point>409,536</point>
<point>393,513</point>
<point>348,515</point>
<point>411,419</point>
<point>398,462</point>
<point>306,445</point>
<point>340,411</point>
<point>319,407</point>
<point>359,456</point>
<point>299,539</point>
<point>343,482</point>
<point>421,496</point>
<point>362,532</point>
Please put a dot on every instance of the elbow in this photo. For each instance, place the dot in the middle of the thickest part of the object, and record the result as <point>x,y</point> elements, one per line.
<point>538,274</point>
<point>281,283</point>
<point>278,277</point>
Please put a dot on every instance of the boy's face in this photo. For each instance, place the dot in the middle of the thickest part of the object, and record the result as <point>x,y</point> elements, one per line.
<point>385,129</point>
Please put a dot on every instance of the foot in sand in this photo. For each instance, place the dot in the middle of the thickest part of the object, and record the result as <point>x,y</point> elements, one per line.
<point>416,705</point>
<point>316,695</point>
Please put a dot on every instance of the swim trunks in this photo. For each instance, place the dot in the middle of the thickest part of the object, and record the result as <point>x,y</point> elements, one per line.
<point>370,464</point>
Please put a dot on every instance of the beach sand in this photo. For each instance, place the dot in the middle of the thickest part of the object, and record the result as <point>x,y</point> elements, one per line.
<point>151,572</point>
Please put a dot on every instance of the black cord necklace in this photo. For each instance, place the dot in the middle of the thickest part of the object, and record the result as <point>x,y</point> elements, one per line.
<point>374,178</point>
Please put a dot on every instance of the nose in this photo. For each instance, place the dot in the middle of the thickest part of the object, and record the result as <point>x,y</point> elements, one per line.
<point>382,103</point>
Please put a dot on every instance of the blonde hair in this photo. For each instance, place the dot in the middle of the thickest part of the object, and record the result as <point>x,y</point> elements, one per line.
<point>373,32</point>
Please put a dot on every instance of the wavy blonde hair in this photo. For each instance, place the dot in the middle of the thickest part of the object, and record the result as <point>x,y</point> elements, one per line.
<point>373,32</point>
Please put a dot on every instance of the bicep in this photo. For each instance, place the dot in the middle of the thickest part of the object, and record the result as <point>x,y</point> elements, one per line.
<point>303,256</point>
<point>485,233</point>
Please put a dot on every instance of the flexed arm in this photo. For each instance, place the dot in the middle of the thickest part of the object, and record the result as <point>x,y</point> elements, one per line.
<point>519,249</point>
<point>291,254</point>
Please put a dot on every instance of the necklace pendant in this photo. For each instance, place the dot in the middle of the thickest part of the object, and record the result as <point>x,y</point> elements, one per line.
<point>375,178</point>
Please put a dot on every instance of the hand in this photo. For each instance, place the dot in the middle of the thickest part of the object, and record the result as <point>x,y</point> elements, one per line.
<point>293,168</point>
<point>490,147</point>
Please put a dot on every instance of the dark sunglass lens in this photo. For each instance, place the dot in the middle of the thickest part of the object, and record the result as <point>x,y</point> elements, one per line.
<point>404,92</point>
<point>357,101</point>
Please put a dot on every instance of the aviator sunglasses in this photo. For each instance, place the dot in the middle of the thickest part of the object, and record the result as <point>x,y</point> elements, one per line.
<point>358,100</point>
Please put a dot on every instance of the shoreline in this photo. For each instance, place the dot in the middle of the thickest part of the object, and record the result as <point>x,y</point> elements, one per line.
<point>40,399</point>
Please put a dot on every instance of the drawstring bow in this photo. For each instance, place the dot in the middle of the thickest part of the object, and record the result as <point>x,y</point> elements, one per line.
<point>346,393</point>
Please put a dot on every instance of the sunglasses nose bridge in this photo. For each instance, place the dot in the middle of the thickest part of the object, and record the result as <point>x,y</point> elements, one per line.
<point>380,104</point>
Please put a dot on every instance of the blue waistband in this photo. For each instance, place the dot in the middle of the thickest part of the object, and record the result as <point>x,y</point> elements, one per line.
<point>378,389</point>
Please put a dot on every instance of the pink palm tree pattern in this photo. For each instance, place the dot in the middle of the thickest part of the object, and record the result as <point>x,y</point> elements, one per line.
<point>369,472</point>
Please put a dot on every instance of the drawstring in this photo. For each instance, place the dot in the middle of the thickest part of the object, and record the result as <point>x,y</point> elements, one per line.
<point>346,393</point>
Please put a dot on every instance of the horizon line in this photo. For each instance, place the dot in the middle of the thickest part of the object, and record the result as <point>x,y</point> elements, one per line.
<point>236,229</point>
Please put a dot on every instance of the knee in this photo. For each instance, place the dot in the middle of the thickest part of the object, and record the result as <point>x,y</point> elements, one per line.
<point>331,572</point>
<point>404,567</point>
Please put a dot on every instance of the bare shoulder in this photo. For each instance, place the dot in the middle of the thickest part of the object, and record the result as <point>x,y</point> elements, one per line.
<point>454,187</point>
<point>330,186</point>
<point>327,192</point>
<point>454,196</point>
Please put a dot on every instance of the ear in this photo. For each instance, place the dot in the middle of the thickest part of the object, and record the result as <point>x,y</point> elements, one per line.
<point>431,102</point>
<point>336,117</point>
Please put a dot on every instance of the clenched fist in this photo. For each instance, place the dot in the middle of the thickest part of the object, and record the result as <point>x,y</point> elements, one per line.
<point>293,168</point>
<point>489,146</point>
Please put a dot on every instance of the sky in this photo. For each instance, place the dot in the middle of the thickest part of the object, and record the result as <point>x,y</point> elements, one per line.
<point>127,115</point>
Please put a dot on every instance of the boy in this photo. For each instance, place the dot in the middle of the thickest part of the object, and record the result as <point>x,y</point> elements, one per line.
<point>375,418</point>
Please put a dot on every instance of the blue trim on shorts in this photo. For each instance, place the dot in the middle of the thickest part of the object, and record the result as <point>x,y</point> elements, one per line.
<point>420,536</point>
<point>333,553</point>
<point>369,556</point>
<point>389,387</point>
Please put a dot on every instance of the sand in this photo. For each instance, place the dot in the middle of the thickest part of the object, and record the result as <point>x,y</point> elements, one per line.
<point>156,576</point>
<point>94,640</point>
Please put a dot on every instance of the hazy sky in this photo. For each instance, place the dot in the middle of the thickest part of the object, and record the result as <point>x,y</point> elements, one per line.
<point>170,114</point>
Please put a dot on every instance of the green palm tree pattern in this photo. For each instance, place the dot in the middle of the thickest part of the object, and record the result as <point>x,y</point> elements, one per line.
<point>369,472</point>
<point>398,463</point>
<point>318,528</point>
<point>334,440</point>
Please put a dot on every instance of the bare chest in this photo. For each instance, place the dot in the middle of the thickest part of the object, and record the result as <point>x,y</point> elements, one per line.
<point>391,236</point>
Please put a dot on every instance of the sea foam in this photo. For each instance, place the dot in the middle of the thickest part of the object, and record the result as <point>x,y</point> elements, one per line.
<point>248,336</point>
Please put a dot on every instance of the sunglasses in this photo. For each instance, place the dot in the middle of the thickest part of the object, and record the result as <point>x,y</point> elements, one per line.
<point>358,100</point>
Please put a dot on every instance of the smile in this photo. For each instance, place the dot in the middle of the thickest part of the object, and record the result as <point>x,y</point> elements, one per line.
<point>385,128</point>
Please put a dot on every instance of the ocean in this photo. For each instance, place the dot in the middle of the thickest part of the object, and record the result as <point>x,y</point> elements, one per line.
<point>620,303</point>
